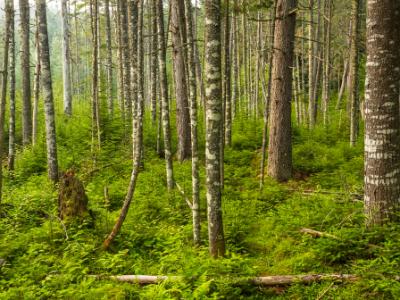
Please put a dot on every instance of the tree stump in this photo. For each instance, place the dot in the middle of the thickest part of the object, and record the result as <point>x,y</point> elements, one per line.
<point>72,199</point>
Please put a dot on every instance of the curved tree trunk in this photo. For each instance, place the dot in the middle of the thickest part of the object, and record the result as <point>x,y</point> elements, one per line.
<point>138,140</point>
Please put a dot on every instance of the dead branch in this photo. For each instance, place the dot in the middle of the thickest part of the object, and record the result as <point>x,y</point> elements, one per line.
<point>316,233</point>
<point>184,195</point>
<point>265,281</point>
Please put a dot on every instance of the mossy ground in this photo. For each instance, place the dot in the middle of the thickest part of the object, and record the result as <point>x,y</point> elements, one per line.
<point>43,261</point>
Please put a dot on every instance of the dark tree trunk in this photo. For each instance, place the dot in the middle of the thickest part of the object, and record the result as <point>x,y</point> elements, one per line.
<point>178,59</point>
<point>280,139</point>
<point>25,72</point>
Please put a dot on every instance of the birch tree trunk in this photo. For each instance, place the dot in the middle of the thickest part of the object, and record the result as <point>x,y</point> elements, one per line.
<point>354,101</point>
<point>47,92</point>
<point>382,122</point>
<point>11,130</point>
<point>66,58</point>
<point>213,126</point>
<point>280,139</point>
<point>162,67</point>
<point>96,135</point>
<point>327,62</point>
<point>311,67</point>
<point>227,82</point>
<point>36,84</point>
<point>110,99</point>
<point>193,123</point>
<point>25,72</point>
<point>154,53</point>
<point>138,141</point>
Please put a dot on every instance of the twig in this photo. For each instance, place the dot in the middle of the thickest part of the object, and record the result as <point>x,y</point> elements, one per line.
<point>184,195</point>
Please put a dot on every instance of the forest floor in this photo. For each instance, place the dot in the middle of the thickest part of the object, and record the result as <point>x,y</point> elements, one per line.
<point>40,259</point>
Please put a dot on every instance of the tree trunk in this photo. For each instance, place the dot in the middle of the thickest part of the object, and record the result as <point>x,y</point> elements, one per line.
<point>4,82</point>
<point>280,139</point>
<point>138,141</point>
<point>126,59</point>
<point>121,86</point>
<point>36,84</point>
<point>213,126</point>
<point>96,135</point>
<point>354,101</point>
<point>110,97</point>
<point>66,58</point>
<point>25,72</point>
<point>228,94</point>
<point>47,92</point>
<point>178,59</point>
<point>311,62</point>
<point>11,131</point>
<point>327,62</point>
<point>162,67</point>
<point>154,52</point>
<point>382,121</point>
<point>193,124</point>
<point>267,103</point>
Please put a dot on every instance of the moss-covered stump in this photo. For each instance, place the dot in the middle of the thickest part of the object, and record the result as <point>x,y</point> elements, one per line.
<point>72,199</point>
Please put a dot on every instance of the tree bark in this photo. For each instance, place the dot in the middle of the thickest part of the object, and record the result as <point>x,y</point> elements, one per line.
<point>25,72</point>
<point>311,74</point>
<point>178,60</point>
<point>267,103</point>
<point>280,139</point>
<point>138,141</point>
<point>354,101</point>
<point>110,89</point>
<point>96,134</point>
<point>66,58</point>
<point>327,62</point>
<point>162,67</point>
<point>36,84</point>
<point>193,123</point>
<point>154,53</point>
<point>11,130</point>
<point>213,126</point>
<point>4,82</point>
<point>382,121</point>
<point>47,92</point>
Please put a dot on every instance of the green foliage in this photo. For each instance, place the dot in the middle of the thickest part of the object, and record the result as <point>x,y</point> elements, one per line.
<point>46,259</point>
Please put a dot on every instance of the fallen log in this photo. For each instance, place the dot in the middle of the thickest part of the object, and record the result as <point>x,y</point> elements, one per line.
<point>277,280</point>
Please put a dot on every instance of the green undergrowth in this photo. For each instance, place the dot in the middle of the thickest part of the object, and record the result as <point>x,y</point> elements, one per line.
<point>42,259</point>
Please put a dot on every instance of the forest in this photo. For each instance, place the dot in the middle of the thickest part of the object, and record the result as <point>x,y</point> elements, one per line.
<point>199,149</point>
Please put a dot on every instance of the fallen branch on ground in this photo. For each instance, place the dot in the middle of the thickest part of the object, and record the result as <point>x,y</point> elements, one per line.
<point>316,233</point>
<point>260,281</point>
